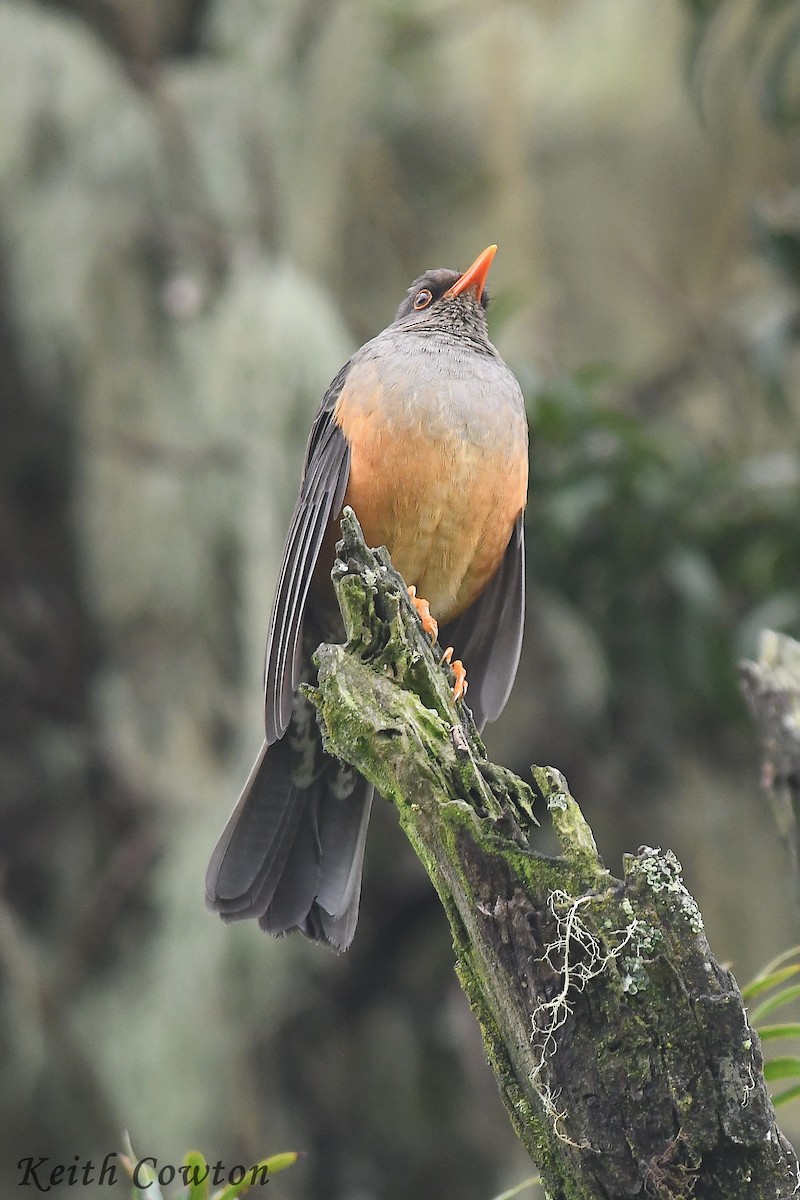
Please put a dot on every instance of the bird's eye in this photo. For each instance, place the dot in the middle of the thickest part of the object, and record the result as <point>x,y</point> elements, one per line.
<point>422,298</point>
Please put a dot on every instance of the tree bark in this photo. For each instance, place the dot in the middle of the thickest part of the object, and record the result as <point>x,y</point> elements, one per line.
<point>771,688</point>
<point>621,1047</point>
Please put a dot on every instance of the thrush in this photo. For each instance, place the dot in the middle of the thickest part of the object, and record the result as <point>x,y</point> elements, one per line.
<point>423,433</point>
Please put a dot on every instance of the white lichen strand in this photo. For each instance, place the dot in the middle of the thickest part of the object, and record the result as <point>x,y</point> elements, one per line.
<point>662,873</point>
<point>578,956</point>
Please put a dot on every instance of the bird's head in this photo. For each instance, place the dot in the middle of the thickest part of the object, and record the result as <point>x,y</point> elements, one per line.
<point>449,300</point>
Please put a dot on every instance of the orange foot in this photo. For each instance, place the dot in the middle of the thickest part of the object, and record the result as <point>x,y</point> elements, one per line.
<point>429,624</point>
<point>460,671</point>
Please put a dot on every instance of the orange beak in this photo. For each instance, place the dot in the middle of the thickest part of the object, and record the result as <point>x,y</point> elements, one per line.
<point>475,277</point>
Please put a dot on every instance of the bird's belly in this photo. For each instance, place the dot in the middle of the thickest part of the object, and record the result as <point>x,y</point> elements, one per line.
<point>443,504</point>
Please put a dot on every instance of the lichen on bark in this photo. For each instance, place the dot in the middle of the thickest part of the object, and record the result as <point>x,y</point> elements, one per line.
<point>771,688</point>
<point>620,1046</point>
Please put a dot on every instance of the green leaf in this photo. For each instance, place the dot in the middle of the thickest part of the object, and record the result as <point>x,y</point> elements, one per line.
<point>197,1174</point>
<point>274,1164</point>
<point>782,1068</point>
<point>515,1191</point>
<point>769,1033</point>
<point>762,983</point>
<point>279,1162</point>
<point>777,1001</point>
<point>129,1160</point>
<point>778,961</point>
<point>792,1093</point>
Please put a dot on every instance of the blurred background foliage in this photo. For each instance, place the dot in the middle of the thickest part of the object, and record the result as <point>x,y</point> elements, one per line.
<point>204,207</point>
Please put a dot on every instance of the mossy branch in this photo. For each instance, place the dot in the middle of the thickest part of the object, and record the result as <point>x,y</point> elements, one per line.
<point>621,1047</point>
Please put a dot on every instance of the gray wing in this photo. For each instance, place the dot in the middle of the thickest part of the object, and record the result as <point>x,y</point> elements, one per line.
<point>488,635</point>
<point>327,469</point>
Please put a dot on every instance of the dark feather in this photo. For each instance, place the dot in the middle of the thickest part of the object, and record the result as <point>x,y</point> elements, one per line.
<point>320,889</point>
<point>251,854</point>
<point>298,828</point>
<point>488,635</point>
<point>322,491</point>
<point>292,852</point>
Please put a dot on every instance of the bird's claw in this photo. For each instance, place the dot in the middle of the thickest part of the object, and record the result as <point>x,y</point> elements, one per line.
<point>431,627</point>
<point>459,670</point>
<point>429,623</point>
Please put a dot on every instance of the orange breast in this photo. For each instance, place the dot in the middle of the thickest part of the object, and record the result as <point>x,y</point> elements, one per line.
<point>443,502</point>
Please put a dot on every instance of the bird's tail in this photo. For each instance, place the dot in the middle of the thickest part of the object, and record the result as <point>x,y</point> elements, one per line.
<point>292,852</point>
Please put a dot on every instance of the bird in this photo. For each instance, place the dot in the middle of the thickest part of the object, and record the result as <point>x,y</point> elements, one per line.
<point>423,433</point>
